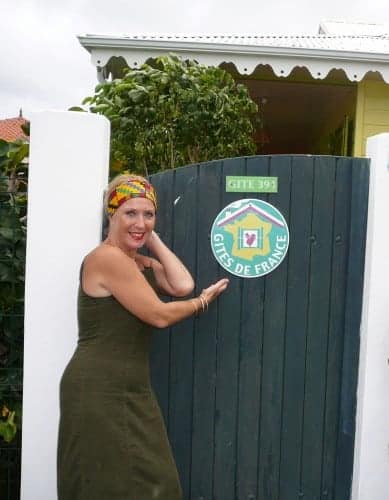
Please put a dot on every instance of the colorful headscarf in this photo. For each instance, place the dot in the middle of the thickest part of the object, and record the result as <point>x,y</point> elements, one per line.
<point>134,187</point>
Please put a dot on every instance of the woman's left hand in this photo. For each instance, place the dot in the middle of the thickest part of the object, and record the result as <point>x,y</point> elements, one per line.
<point>171,274</point>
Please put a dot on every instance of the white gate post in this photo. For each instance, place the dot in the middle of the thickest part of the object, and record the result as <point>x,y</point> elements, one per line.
<point>371,461</point>
<point>68,171</point>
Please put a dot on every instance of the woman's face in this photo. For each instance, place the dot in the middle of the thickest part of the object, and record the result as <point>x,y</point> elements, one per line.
<point>132,224</point>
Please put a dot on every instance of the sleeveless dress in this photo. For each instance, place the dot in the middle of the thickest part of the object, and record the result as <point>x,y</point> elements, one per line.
<point>112,442</point>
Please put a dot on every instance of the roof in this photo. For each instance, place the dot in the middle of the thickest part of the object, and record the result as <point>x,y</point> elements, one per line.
<point>355,54</point>
<point>332,27</point>
<point>247,209</point>
<point>373,44</point>
<point>10,129</point>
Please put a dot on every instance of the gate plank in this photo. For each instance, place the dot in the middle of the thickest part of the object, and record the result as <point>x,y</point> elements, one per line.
<point>340,246</point>
<point>273,348</point>
<point>296,326</point>
<point>181,344</point>
<point>318,322</point>
<point>205,338</point>
<point>227,365</point>
<point>353,308</point>
<point>160,353</point>
<point>250,366</point>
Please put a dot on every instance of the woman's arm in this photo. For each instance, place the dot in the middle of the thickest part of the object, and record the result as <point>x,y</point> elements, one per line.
<point>120,276</point>
<point>171,274</point>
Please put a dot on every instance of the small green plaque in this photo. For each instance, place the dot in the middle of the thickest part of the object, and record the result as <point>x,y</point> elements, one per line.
<point>245,184</point>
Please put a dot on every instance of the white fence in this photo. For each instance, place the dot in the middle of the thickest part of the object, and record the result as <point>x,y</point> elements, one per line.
<point>68,172</point>
<point>371,462</point>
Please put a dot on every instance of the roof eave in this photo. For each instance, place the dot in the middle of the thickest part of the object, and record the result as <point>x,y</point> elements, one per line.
<point>245,57</point>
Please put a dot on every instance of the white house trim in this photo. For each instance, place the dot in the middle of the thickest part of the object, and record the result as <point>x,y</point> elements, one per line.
<point>355,55</point>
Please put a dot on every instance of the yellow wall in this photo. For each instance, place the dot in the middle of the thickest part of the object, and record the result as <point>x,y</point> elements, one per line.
<point>372,114</point>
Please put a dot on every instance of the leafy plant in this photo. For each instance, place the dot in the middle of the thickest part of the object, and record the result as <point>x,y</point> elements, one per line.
<point>172,112</point>
<point>8,427</point>
<point>13,206</point>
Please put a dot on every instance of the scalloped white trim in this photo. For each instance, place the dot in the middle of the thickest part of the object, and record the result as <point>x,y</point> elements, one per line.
<point>318,62</point>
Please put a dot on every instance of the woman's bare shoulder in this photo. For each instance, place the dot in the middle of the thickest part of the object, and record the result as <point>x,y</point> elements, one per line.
<point>103,253</point>
<point>107,260</point>
<point>104,264</point>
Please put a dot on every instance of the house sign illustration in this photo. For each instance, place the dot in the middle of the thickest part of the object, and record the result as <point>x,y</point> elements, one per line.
<point>249,238</point>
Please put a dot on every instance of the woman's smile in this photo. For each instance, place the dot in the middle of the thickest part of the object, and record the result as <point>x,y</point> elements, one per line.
<point>136,236</point>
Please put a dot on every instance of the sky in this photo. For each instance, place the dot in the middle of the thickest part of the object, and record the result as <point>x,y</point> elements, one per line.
<point>43,66</point>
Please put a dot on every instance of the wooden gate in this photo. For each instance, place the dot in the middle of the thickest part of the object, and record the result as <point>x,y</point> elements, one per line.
<point>259,394</point>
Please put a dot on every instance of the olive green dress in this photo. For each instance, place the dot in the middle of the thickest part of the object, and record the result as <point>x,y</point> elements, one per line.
<point>112,441</point>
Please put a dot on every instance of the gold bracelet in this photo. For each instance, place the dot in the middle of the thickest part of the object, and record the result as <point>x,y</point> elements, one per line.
<point>195,308</point>
<point>204,301</point>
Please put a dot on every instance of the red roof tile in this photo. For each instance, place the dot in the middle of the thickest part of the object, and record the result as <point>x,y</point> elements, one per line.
<point>10,129</point>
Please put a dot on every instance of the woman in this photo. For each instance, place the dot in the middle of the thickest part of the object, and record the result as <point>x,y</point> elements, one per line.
<point>112,440</point>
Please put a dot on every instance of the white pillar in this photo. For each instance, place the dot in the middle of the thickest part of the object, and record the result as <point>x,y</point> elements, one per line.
<point>371,463</point>
<point>68,171</point>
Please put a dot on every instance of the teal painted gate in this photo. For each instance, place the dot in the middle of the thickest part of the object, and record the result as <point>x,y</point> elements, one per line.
<point>259,394</point>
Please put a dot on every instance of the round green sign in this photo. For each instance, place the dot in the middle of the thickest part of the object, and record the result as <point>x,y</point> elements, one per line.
<point>249,238</point>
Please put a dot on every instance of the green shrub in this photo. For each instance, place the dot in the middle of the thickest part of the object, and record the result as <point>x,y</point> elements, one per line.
<point>171,112</point>
<point>13,206</point>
